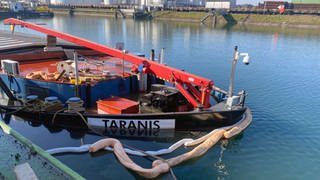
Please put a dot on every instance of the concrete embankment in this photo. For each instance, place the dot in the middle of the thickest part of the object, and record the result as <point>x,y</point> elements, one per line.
<point>301,21</point>
<point>107,12</point>
<point>85,11</point>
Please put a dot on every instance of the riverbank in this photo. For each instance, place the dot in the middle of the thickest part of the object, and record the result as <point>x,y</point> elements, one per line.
<point>298,21</point>
<point>84,11</point>
<point>301,21</point>
<point>283,127</point>
<point>112,12</point>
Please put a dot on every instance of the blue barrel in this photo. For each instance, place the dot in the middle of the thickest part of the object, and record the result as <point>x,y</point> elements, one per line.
<point>51,99</point>
<point>32,97</point>
<point>74,99</point>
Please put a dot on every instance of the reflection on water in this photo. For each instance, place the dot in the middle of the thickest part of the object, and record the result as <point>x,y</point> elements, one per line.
<point>275,40</point>
<point>282,82</point>
<point>159,135</point>
<point>304,32</point>
<point>221,167</point>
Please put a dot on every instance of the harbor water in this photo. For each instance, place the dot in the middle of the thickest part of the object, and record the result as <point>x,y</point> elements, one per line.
<point>282,81</point>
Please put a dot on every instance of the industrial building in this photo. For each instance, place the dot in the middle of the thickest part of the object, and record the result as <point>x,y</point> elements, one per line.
<point>306,4</point>
<point>305,1</point>
<point>214,4</point>
<point>44,1</point>
<point>185,3</point>
<point>273,4</point>
<point>294,5</point>
<point>76,2</point>
<point>221,4</point>
<point>172,3</point>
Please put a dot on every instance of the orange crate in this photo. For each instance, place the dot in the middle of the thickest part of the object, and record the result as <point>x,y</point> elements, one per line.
<point>118,105</point>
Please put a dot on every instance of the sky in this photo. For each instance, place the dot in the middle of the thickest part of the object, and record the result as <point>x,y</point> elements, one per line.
<point>251,1</point>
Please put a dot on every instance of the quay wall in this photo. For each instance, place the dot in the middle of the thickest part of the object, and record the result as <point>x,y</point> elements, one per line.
<point>301,21</point>
<point>85,11</point>
<point>295,20</point>
<point>110,12</point>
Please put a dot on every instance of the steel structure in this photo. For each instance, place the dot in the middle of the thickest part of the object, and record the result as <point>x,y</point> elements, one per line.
<point>195,89</point>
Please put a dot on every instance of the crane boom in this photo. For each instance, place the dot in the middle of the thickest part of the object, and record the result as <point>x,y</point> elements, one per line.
<point>197,97</point>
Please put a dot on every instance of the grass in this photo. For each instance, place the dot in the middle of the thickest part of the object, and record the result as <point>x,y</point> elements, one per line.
<point>289,19</point>
<point>179,15</point>
<point>250,18</point>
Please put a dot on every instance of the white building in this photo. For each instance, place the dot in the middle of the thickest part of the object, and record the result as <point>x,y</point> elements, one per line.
<point>110,2</point>
<point>44,1</point>
<point>76,2</point>
<point>186,3</point>
<point>221,4</point>
<point>4,4</point>
<point>156,3</point>
<point>16,6</point>
<point>216,4</point>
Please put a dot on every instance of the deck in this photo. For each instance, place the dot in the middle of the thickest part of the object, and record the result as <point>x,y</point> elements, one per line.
<point>98,65</point>
<point>16,40</point>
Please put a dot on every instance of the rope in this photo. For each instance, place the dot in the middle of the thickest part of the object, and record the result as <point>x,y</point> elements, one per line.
<point>13,112</point>
<point>38,105</point>
<point>1,113</point>
<point>52,106</point>
<point>75,106</point>
<point>172,174</point>
<point>4,111</point>
<point>55,114</point>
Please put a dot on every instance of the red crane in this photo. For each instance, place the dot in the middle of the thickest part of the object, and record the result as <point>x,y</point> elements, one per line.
<point>184,82</point>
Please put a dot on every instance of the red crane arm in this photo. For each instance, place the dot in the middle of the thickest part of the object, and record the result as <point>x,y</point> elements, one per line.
<point>162,71</point>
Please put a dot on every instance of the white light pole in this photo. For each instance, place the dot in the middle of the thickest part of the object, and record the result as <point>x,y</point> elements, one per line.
<point>236,55</point>
<point>76,71</point>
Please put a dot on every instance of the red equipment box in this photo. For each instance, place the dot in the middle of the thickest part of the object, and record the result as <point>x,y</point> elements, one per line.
<point>117,105</point>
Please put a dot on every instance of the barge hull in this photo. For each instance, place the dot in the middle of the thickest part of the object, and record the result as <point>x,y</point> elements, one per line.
<point>204,120</point>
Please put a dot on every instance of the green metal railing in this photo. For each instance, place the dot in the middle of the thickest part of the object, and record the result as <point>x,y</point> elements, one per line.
<point>46,156</point>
